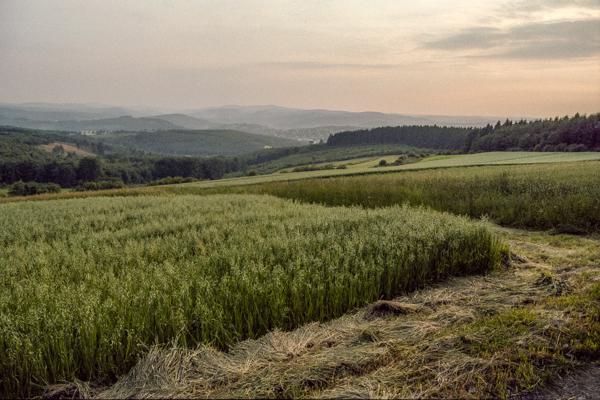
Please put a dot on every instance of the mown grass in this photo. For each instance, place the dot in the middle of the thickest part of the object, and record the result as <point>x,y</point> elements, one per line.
<point>503,335</point>
<point>85,284</point>
<point>563,197</point>
<point>534,344</point>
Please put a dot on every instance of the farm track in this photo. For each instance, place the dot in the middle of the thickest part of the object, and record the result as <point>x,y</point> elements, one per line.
<point>419,350</point>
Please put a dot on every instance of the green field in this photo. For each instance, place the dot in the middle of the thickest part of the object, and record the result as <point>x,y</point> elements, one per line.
<point>366,165</point>
<point>558,191</point>
<point>560,196</point>
<point>356,166</point>
<point>323,154</point>
<point>85,284</point>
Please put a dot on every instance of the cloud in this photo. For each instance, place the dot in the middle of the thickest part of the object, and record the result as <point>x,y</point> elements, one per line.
<point>532,5</point>
<point>471,38</point>
<point>310,65</point>
<point>554,40</point>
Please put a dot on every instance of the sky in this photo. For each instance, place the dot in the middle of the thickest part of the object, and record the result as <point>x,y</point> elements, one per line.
<point>462,57</point>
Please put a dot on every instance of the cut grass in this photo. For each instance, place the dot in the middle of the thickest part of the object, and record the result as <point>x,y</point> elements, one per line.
<point>86,284</point>
<point>496,336</point>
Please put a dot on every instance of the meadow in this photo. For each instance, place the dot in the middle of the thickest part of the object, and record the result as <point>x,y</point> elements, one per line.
<point>323,154</point>
<point>365,166</point>
<point>564,197</point>
<point>87,284</point>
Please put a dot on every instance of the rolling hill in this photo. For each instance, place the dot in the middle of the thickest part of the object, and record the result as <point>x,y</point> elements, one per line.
<point>195,142</point>
<point>293,118</point>
<point>276,121</point>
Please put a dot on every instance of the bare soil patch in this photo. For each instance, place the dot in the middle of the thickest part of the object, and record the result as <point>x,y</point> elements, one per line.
<point>68,149</point>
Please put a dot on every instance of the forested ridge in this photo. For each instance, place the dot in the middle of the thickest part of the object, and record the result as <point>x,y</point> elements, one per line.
<point>577,133</point>
<point>22,160</point>
<point>431,137</point>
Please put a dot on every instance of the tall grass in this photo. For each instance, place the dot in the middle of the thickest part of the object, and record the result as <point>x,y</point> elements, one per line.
<point>85,284</point>
<point>564,197</point>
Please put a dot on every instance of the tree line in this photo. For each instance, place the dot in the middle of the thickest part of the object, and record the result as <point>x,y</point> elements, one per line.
<point>576,133</point>
<point>430,137</point>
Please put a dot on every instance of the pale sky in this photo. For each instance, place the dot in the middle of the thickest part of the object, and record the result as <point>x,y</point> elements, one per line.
<point>462,57</point>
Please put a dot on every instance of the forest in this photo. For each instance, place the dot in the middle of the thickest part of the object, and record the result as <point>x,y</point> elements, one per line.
<point>22,160</point>
<point>576,133</point>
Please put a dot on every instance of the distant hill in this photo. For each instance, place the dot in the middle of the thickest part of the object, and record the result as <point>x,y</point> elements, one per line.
<point>267,120</point>
<point>122,123</point>
<point>187,122</point>
<point>41,112</point>
<point>292,118</point>
<point>195,142</point>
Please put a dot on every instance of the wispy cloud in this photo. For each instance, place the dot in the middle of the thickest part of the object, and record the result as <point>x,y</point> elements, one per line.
<point>310,65</point>
<point>555,40</point>
<point>532,5</point>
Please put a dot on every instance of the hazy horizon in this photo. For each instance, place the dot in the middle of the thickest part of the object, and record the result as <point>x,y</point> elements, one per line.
<point>537,58</point>
<point>167,110</point>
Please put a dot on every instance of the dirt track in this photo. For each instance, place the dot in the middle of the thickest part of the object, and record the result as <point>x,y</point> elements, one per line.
<point>582,384</point>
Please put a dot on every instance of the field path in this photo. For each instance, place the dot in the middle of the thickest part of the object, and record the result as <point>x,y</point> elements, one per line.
<point>456,339</point>
<point>584,384</point>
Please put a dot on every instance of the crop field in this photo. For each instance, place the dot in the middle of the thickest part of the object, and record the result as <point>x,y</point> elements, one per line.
<point>564,196</point>
<point>87,284</point>
<point>366,165</point>
<point>355,163</point>
<point>560,196</point>
<point>322,154</point>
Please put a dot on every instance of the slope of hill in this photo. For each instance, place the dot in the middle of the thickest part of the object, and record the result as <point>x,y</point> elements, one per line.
<point>60,112</point>
<point>187,122</point>
<point>120,123</point>
<point>292,118</point>
<point>289,118</point>
<point>196,142</point>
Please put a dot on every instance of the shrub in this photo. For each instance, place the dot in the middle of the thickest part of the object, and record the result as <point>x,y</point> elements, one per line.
<point>31,188</point>
<point>171,180</point>
<point>305,168</point>
<point>102,185</point>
